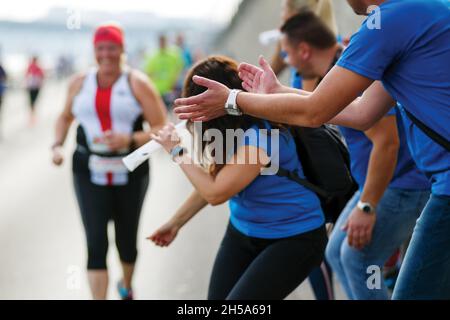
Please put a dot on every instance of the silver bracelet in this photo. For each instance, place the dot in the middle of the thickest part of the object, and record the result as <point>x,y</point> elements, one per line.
<point>177,151</point>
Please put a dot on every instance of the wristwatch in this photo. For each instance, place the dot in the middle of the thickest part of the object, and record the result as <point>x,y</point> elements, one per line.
<point>365,207</point>
<point>231,106</point>
<point>176,152</point>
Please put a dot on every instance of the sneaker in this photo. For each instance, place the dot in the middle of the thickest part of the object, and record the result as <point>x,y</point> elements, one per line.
<point>124,293</point>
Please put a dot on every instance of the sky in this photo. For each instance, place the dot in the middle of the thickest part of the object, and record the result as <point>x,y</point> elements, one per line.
<point>28,10</point>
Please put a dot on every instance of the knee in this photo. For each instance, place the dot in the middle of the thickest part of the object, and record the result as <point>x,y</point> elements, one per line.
<point>97,256</point>
<point>352,260</point>
<point>127,251</point>
<point>333,254</point>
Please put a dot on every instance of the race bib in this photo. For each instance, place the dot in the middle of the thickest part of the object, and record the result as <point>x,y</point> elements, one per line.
<point>103,165</point>
<point>98,146</point>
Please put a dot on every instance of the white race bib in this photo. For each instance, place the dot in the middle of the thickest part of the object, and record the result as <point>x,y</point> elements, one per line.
<point>103,165</point>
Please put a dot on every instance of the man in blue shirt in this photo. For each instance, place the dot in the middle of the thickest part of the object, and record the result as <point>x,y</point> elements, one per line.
<point>381,165</point>
<point>401,53</point>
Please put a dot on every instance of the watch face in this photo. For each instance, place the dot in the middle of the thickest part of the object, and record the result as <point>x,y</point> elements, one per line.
<point>366,209</point>
<point>233,112</point>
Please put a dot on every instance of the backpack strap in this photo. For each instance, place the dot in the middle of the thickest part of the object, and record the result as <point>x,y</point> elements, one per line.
<point>433,135</point>
<point>291,175</point>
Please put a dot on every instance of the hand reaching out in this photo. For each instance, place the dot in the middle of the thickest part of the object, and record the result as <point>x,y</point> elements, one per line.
<point>259,79</point>
<point>205,106</point>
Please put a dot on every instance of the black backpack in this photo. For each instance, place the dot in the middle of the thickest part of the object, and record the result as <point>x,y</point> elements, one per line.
<point>325,159</point>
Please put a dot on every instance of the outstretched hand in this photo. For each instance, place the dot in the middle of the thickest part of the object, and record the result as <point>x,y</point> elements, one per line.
<point>205,106</point>
<point>259,79</point>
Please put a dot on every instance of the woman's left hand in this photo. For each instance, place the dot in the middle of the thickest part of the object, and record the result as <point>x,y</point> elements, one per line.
<point>167,137</point>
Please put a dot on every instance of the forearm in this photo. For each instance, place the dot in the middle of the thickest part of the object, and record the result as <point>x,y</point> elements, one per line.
<point>382,164</point>
<point>202,181</point>
<point>62,127</point>
<point>336,91</point>
<point>286,89</point>
<point>364,112</point>
<point>352,116</point>
<point>290,108</point>
<point>142,137</point>
<point>189,209</point>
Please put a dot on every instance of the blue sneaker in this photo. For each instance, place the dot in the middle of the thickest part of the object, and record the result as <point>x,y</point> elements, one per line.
<point>124,293</point>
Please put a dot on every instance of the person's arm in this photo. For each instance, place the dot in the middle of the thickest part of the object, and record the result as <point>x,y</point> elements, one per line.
<point>165,234</point>
<point>382,164</point>
<point>65,119</point>
<point>153,108</point>
<point>149,66</point>
<point>243,167</point>
<point>361,113</point>
<point>337,90</point>
<point>41,72</point>
<point>310,85</point>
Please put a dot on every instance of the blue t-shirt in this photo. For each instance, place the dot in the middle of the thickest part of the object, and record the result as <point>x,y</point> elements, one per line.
<point>410,54</point>
<point>296,79</point>
<point>406,174</point>
<point>272,207</point>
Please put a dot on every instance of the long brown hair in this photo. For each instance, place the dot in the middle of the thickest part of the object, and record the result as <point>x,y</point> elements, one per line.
<point>224,70</point>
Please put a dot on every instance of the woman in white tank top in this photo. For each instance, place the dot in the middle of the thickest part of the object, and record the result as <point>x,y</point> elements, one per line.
<point>110,104</point>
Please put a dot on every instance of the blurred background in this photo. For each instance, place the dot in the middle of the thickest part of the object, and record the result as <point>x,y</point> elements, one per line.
<point>41,236</point>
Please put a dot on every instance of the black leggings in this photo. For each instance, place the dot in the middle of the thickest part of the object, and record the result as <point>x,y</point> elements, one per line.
<point>99,205</point>
<point>33,93</point>
<point>249,268</point>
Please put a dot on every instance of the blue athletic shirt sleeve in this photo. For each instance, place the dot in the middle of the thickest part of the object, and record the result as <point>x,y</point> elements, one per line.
<point>371,50</point>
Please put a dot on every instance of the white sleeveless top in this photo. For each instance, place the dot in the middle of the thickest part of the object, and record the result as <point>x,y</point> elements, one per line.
<point>124,110</point>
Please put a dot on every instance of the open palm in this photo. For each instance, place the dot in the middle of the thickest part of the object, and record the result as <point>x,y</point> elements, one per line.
<point>259,79</point>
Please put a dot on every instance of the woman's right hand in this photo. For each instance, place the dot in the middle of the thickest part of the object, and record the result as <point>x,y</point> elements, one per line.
<point>165,234</point>
<point>57,156</point>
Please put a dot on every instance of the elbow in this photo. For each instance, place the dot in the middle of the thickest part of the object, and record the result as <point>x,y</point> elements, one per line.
<point>364,125</point>
<point>392,146</point>
<point>216,203</point>
<point>389,148</point>
<point>361,123</point>
<point>315,122</point>
<point>308,120</point>
<point>216,200</point>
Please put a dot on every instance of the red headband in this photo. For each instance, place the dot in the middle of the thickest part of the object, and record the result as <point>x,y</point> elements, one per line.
<point>109,33</point>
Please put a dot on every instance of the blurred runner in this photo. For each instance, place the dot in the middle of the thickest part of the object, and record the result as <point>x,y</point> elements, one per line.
<point>164,68</point>
<point>34,78</point>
